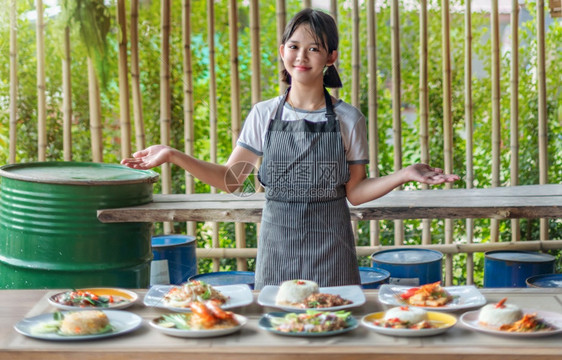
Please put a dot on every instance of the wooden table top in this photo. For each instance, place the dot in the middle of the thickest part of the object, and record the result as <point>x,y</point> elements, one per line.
<point>252,342</point>
<point>529,201</point>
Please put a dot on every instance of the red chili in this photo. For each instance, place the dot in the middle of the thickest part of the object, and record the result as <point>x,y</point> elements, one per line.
<point>409,293</point>
<point>501,303</point>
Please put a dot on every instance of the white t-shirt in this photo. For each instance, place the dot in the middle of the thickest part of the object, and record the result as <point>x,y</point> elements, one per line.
<point>352,126</point>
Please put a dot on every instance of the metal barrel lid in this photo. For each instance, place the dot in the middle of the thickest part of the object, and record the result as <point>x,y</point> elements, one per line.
<point>519,256</point>
<point>165,241</point>
<point>407,256</point>
<point>373,275</point>
<point>77,173</point>
<point>226,278</point>
<point>545,281</point>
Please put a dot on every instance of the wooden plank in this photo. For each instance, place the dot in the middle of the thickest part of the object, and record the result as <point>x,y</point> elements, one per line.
<point>531,201</point>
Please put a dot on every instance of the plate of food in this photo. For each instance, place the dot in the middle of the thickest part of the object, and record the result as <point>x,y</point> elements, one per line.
<point>79,325</point>
<point>508,319</point>
<point>106,298</point>
<point>178,297</point>
<point>409,321</point>
<point>206,319</point>
<point>432,296</point>
<point>311,323</point>
<point>300,295</point>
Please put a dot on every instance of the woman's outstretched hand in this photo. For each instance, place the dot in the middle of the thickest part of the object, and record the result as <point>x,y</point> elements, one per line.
<point>148,158</point>
<point>426,174</point>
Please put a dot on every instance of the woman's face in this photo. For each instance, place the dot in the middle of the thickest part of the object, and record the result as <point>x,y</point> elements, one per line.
<point>304,58</point>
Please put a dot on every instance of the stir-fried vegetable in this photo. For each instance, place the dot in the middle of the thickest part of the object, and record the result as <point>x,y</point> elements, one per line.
<point>311,321</point>
<point>178,321</point>
<point>83,298</point>
<point>529,322</point>
<point>193,291</point>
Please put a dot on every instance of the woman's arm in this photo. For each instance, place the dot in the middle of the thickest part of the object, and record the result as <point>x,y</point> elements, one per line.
<point>226,177</point>
<point>361,189</point>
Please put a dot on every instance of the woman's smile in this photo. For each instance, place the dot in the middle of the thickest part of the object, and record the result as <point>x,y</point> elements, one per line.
<point>301,68</point>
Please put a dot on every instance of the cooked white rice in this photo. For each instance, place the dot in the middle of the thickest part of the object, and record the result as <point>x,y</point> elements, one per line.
<point>497,316</point>
<point>84,322</point>
<point>406,314</point>
<point>295,291</point>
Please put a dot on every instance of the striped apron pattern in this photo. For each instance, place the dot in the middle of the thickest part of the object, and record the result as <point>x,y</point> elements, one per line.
<point>306,227</point>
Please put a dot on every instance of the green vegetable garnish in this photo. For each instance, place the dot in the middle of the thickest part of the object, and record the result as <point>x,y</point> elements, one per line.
<point>179,321</point>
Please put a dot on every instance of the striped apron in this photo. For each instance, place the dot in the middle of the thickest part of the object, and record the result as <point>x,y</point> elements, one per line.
<point>306,227</point>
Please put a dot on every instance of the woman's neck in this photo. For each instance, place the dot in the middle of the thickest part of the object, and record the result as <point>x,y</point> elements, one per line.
<point>306,98</point>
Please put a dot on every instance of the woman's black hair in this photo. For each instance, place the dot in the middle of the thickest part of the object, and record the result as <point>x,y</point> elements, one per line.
<point>324,28</point>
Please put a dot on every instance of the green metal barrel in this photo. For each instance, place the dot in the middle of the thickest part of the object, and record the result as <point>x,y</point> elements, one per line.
<point>50,236</point>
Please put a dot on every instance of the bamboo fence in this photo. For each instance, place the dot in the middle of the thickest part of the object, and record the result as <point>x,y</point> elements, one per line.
<point>449,248</point>
<point>13,83</point>
<point>135,77</point>
<point>469,131</point>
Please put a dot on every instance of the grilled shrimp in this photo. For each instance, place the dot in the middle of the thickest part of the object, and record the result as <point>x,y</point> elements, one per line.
<point>204,316</point>
<point>218,312</point>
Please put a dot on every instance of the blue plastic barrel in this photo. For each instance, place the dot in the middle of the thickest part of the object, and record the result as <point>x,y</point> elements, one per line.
<point>545,281</point>
<point>372,278</point>
<point>174,259</point>
<point>410,267</point>
<point>512,268</point>
<point>226,278</point>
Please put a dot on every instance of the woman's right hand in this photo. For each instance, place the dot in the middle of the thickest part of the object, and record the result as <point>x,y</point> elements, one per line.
<point>150,157</point>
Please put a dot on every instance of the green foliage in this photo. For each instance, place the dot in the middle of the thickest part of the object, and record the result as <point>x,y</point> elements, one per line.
<point>93,21</point>
<point>87,35</point>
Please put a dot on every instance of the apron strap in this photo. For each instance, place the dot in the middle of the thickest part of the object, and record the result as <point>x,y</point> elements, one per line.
<point>279,112</point>
<point>330,114</point>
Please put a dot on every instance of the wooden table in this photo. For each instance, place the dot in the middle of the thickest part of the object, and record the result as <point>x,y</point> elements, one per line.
<point>529,201</point>
<point>254,343</point>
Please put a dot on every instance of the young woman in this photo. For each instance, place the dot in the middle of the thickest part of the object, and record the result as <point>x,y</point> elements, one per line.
<point>314,150</point>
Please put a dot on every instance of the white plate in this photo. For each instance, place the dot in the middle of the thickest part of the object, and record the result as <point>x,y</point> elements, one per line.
<point>464,297</point>
<point>445,322</point>
<point>200,333</point>
<point>470,320</point>
<point>122,321</point>
<point>130,296</point>
<point>350,292</point>
<point>265,323</point>
<point>238,295</point>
